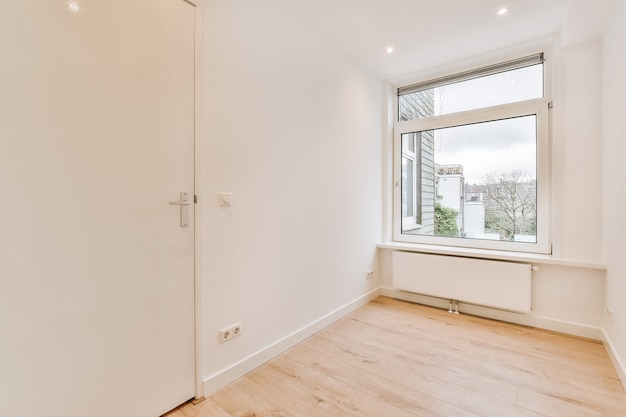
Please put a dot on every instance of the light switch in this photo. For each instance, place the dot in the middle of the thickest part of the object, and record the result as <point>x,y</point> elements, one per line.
<point>225,199</point>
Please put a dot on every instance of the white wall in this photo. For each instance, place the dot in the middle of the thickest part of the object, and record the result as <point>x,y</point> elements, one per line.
<point>614,201</point>
<point>579,210</point>
<point>568,298</point>
<point>292,127</point>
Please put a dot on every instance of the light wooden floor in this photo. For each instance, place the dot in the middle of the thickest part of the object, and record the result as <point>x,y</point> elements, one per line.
<point>395,359</point>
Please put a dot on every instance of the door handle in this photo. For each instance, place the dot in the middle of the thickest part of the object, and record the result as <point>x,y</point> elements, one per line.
<point>184,202</point>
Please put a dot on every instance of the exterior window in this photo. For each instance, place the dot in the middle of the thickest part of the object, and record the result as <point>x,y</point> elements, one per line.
<point>472,159</point>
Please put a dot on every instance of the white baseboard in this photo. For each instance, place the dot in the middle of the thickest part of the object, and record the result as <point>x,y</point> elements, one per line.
<point>618,364</point>
<point>546,323</point>
<point>236,371</point>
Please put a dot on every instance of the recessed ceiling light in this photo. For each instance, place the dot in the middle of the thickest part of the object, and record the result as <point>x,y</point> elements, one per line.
<point>390,49</point>
<point>503,11</point>
<point>73,6</point>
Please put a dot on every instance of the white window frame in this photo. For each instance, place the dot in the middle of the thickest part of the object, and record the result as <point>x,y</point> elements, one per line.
<point>539,107</point>
<point>412,222</point>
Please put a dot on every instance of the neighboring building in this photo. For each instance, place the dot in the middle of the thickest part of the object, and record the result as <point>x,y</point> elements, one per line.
<point>451,191</point>
<point>507,209</point>
<point>474,216</point>
<point>475,213</point>
<point>418,167</point>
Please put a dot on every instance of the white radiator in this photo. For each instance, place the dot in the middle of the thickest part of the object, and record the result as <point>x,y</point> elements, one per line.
<point>499,284</point>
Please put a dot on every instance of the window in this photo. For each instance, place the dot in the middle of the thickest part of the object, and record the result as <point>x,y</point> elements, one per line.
<point>471,159</point>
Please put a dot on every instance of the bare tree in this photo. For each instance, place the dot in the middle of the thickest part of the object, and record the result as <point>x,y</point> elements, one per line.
<point>511,203</point>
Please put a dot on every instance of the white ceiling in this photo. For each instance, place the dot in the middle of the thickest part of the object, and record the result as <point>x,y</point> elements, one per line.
<point>427,33</point>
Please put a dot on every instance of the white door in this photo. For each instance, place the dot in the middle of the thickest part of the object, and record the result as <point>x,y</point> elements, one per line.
<point>96,272</point>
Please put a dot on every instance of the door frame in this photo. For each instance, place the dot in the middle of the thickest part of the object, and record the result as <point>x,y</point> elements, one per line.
<point>198,318</point>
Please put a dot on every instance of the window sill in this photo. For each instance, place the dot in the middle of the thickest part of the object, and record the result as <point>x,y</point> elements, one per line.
<point>490,254</point>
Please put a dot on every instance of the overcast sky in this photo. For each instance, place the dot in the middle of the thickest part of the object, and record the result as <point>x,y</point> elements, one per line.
<point>483,148</point>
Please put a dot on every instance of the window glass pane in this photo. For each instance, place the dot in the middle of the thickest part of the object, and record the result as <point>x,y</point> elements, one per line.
<point>502,88</point>
<point>485,181</point>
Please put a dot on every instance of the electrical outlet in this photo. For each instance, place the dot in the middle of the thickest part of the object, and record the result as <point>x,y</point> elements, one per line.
<point>609,312</point>
<point>230,332</point>
<point>369,273</point>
